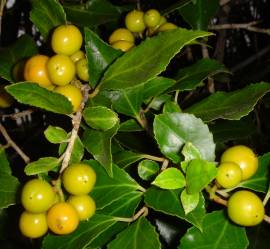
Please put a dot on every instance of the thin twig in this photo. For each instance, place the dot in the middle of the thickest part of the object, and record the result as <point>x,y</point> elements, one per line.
<point>266,219</point>
<point>154,158</point>
<point>165,164</point>
<point>142,212</point>
<point>223,2</point>
<point>2,6</point>
<point>17,115</point>
<point>13,144</point>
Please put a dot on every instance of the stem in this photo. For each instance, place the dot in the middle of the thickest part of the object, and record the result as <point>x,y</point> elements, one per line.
<point>142,212</point>
<point>165,164</point>
<point>17,115</point>
<point>214,197</point>
<point>59,191</point>
<point>266,198</point>
<point>13,144</point>
<point>154,158</point>
<point>267,219</point>
<point>2,6</point>
<point>176,96</point>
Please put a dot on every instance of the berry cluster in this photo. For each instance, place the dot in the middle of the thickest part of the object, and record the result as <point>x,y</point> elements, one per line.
<point>45,210</point>
<point>58,71</point>
<point>237,164</point>
<point>138,22</point>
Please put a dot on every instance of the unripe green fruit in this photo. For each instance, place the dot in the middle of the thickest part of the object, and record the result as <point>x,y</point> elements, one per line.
<point>151,18</point>
<point>121,34</point>
<point>134,21</point>
<point>123,45</point>
<point>167,26</point>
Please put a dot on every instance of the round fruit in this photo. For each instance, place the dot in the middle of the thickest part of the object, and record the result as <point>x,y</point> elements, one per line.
<point>245,208</point>
<point>72,93</point>
<point>77,56</point>
<point>61,69</point>
<point>244,157</point>
<point>35,70</point>
<point>151,18</point>
<point>229,175</point>
<point>82,69</point>
<point>66,39</point>
<point>123,45</point>
<point>121,34</point>
<point>134,21</point>
<point>167,26</point>
<point>62,218</point>
<point>79,179</point>
<point>33,225</point>
<point>18,70</point>
<point>84,205</point>
<point>37,196</point>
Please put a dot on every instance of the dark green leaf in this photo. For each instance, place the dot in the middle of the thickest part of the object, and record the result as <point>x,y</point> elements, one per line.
<point>100,117</point>
<point>199,174</point>
<point>24,47</point>
<point>179,4</point>
<point>125,158</point>
<point>98,143</point>
<point>56,135</point>
<point>218,232</point>
<point>230,105</point>
<point>157,102</point>
<point>130,125</point>
<point>32,94</point>
<point>47,14</point>
<point>100,55</point>
<point>189,202</point>
<point>85,234</point>
<point>199,14</point>
<point>147,60</point>
<point>4,163</point>
<point>190,77</point>
<point>170,178</point>
<point>147,169</point>
<point>260,181</point>
<point>92,13</point>
<point>140,234</point>
<point>171,106</point>
<point>168,202</point>
<point>8,189</point>
<point>173,130</point>
<point>42,165</point>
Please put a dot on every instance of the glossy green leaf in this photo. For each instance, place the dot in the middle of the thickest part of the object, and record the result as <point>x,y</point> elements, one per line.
<point>217,232</point>
<point>8,189</point>
<point>4,163</point>
<point>147,60</point>
<point>98,143</point>
<point>171,178</point>
<point>229,105</point>
<point>92,13</point>
<point>140,234</point>
<point>171,106</point>
<point>32,94</point>
<point>148,169</point>
<point>125,158</point>
<point>9,56</point>
<point>42,165</point>
<point>168,202</point>
<point>175,6</point>
<point>190,77</point>
<point>100,117</point>
<point>100,55</point>
<point>173,130</point>
<point>130,125</point>
<point>190,152</point>
<point>199,174</point>
<point>260,181</point>
<point>189,202</point>
<point>47,14</point>
<point>55,135</point>
<point>85,234</point>
<point>117,195</point>
<point>199,14</point>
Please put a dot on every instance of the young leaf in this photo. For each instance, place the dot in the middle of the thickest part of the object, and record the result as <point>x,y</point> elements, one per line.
<point>171,106</point>
<point>130,126</point>
<point>168,202</point>
<point>190,77</point>
<point>199,14</point>
<point>87,232</point>
<point>229,105</point>
<point>140,234</point>
<point>147,169</point>
<point>173,130</point>
<point>9,56</point>
<point>157,102</point>
<point>170,178</point>
<point>99,54</point>
<point>42,165</point>
<point>56,135</point>
<point>215,233</point>
<point>47,14</point>
<point>98,143</point>
<point>199,174</point>
<point>190,152</point>
<point>259,182</point>
<point>189,202</point>
<point>125,158</point>
<point>32,94</point>
<point>100,117</point>
<point>147,60</point>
